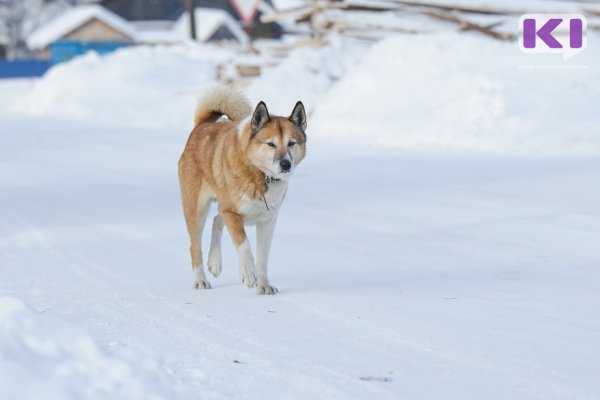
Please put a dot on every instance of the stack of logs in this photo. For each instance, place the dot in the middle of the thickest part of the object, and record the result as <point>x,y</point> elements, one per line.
<point>319,17</point>
<point>315,14</point>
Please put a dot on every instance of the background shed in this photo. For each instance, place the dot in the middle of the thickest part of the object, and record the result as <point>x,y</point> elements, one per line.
<point>82,28</point>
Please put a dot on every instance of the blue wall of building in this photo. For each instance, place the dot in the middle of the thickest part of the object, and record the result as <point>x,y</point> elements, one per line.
<point>60,51</point>
<point>23,68</point>
<point>64,50</point>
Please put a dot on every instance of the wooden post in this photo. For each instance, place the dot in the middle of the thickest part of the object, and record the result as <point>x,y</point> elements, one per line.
<point>191,6</point>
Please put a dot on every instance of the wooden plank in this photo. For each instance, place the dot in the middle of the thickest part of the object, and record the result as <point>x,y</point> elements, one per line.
<point>590,11</point>
<point>467,25</point>
<point>459,8</point>
<point>248,70</point>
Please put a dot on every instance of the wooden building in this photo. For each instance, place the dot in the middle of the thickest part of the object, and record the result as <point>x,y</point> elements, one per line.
<point>82,28</point>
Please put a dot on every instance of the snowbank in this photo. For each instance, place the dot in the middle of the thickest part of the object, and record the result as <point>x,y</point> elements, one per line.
<point>158,86</point>
<point>447,92</point>
<point>461,92</point>
<point>307,74</point>
<point>140,86</point>
<point>44,358</point>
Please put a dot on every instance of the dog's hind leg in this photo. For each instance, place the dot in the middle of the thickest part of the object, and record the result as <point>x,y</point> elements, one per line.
<point>195,210</point>
<point>200,281</point>
<point>235,226</point>
<point>214,255</point>
<point>264,237</point>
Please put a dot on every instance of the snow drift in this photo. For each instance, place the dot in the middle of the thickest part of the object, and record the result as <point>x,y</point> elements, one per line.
<point>445,92</point>
<point>43,357</point>
<point>141,86</point>
<point>455,92</point>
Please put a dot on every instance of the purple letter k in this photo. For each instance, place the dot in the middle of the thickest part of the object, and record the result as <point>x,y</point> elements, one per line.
<point>545,33</point>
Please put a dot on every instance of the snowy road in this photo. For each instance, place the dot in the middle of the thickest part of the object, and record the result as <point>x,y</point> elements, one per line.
<point>440,241</point>
<point>400,277</point>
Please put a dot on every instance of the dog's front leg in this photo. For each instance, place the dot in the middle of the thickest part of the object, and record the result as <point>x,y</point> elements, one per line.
<point>264,237</point>
<point>235,226</point>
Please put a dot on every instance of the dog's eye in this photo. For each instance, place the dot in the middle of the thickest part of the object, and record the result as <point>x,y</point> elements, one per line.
<point>291,144</point>
<point>271,144</point>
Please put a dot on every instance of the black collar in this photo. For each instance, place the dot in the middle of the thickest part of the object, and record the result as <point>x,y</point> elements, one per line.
<point>269,179</point>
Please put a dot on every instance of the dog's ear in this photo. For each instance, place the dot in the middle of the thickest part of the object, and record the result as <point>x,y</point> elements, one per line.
<point>260,116</point>
<point>298,116</point>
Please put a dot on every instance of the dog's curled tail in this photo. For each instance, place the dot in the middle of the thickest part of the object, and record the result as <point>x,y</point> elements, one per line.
<point>220,101</point>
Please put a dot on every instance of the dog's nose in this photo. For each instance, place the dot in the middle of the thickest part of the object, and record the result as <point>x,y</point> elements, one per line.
<point>285,165</point>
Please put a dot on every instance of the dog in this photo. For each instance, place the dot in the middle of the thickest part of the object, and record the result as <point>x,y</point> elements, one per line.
<point>243,162</point>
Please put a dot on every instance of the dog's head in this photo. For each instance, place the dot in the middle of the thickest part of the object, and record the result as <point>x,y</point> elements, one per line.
<point>277,144</point>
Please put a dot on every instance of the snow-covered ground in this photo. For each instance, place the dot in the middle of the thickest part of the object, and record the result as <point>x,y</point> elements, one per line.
<point>439,241</point>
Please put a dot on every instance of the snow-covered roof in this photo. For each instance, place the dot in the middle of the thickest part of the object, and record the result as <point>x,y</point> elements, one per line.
<point>157,36</point>
<point>74,18</point>
<point>155,32</point>
<point>208,20</point>
<point>283,5</point>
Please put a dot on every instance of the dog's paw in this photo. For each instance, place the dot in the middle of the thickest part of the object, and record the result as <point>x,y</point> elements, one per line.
<point>214,265</point>
<point>266,289</point>
<point>202,284</point>
<point>200,281</point>
<point>248,275</point>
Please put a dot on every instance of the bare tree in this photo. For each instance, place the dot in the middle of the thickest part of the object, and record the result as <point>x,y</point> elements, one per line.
<point>18,18</point>
<point>12,18</point>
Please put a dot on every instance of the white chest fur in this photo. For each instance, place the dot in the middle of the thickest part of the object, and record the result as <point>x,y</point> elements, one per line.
<point>255,211</point>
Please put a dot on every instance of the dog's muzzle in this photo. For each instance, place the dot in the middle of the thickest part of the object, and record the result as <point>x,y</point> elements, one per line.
<point>285,165</point>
